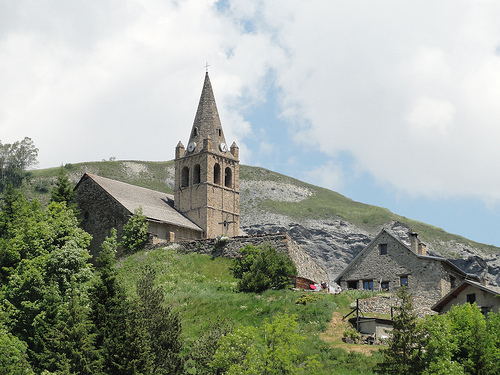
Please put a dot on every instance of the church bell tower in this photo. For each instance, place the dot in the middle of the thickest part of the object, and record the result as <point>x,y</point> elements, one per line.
<point>207,173</point>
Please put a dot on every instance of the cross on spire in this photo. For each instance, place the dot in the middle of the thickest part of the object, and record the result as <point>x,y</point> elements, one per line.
<point>206,66</point>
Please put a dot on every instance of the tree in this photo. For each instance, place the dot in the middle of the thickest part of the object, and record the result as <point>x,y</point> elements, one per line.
<point>63,191</point>
<point>202,351</point>
<point>135,232</point>
<point>263,269</point>
<point>163,327</point>
<point>121,340</point>
<point>272,350</point>
<point>403,354</point>
<point>13,357</point>
<point>15,158</point>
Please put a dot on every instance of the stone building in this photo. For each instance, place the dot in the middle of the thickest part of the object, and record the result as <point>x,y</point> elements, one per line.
<point>205,205</point>
<point>207,173</point>
<point>105,204</point>
<point>486,297</point>
<point>386,263</point>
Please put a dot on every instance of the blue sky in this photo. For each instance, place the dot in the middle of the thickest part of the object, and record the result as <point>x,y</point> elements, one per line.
<point>390,103</point>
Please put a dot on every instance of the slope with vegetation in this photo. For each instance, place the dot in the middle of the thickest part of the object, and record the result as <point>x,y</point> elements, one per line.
<point>331,227</point>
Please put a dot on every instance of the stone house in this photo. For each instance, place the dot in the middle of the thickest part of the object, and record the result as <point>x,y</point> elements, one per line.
<point>105,204</point>
<point>386,263</point>
<point>486,297</point>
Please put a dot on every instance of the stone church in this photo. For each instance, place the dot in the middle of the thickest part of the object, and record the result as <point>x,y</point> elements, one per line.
<point>205,204</point>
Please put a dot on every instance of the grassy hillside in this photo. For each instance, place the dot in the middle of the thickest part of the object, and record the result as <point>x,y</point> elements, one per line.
<point>321,204</point>
<point>201,289</point>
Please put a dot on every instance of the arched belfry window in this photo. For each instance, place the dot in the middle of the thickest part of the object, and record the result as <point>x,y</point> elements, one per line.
<point>185,177</point>
<point>228,177</point>
<point>196,174</point>
<point>217,174</point>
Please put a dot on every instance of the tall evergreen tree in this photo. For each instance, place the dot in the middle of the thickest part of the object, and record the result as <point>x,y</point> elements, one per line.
<point>122,344</point>
<point>402,357</point>
<point>163,326</point>
<point>63,191</point>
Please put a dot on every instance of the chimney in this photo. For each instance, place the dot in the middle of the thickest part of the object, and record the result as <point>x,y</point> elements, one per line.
<point>414,242</point>
<point>422,248</point>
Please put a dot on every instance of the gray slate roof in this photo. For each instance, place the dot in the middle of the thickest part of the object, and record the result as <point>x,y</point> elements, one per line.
<point>157,206</point>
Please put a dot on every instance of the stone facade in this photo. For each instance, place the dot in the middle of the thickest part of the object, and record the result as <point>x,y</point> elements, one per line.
<point>105,204</point>
<point>307,267</point>
<point>207,173</point>
<point>386,264</point>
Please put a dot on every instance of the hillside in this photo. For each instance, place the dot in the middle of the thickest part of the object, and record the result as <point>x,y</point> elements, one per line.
<point>331,227</point>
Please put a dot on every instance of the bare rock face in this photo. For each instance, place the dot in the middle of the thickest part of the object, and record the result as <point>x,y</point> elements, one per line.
<point>334,243</point>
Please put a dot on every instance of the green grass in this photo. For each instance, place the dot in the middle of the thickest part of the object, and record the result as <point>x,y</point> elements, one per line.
<point>201,289</point>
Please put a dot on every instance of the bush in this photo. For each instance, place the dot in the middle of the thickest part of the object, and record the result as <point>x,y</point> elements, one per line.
<point>135,233</point>
<point>261,269</point>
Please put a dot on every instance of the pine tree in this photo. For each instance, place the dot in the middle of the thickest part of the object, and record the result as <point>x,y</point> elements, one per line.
<point>120,338</point>
<point>162,325</point>
<point>63,191</point>
<point>402,357</point>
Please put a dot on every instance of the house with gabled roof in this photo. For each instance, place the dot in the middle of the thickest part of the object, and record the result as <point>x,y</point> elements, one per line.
<point>105,203</point>
<point>486,297</point>
<point>387,263</point>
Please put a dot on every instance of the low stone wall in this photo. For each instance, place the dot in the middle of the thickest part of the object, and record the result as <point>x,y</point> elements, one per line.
<point>381,304</point>
<point>307,267</point>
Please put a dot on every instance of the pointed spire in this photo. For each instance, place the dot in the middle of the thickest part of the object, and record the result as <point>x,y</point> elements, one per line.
<point>207,122</point>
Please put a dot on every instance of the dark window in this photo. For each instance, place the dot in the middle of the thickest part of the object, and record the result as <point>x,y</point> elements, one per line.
<point>217,174</point>
<point>383,248</point>
<point>195,131</point>
<point>219,131</point>
<point>185,177</point>
<point>368,284</point>
<point>453,282</point>
<point>352,284</point>
<point>196,174</point>
<point>384,286</point>
<point>404,280</point>
<point>228,178</point>
<point>471,298</point>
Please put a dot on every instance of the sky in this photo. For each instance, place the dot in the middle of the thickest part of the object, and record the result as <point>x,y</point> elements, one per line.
<point>390,103</point>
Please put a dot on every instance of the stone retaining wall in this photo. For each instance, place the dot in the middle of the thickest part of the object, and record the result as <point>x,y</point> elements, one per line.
<point>229,247</point>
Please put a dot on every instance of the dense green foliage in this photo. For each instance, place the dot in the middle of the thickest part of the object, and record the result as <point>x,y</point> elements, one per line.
<point>135,233</point>
<point>262,268</point>
<point>462,341</point>
<point>63,191</point>
<point>15,159</point>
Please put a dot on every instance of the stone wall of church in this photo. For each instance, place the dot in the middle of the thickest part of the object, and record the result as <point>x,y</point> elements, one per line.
<point>99,212</point>
<point>307,267</point>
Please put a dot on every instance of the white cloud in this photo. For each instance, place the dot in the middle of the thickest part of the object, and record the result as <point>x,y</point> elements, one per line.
<point>329,175</point>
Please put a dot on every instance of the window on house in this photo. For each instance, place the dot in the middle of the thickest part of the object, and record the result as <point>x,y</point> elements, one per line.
<point>382,248</point>
<point>471,298</point>
<point>453,282</point>
<point>352,284</point>
<point>384,286</point>
<point>404,280</point>
<point>185,177</point>
<point>196,174</point>
<point>217,174</point>
<point>228,177</point>
<point>368,284</point>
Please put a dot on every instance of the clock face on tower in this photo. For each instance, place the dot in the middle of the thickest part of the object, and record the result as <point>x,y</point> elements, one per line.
<point>223,147</point>
<point>191,146</point>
